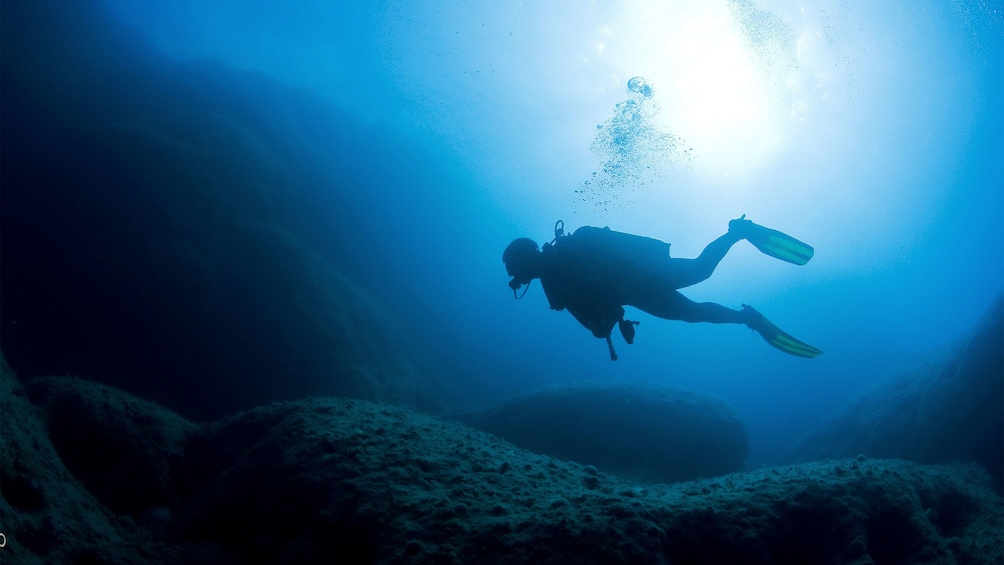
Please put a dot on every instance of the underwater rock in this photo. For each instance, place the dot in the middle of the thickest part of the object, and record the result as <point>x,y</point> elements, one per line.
<point>46,514</point>
<point>945,410</point>
<point>173,229</point>
<point>642,432</point>
<point>322,333</point>
<point>349,481</point>
<point>127,452</point>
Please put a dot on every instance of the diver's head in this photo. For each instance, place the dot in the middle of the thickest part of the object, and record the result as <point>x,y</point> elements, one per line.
<point>521,260</point>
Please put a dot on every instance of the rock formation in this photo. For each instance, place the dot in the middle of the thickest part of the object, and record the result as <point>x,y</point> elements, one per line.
<point>172,229</point>
<point>643,432</point>
<point>950,408</point>
<point>93,475</point>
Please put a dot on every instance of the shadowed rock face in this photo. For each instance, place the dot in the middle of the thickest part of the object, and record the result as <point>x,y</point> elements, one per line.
<point>349,481</point>
<point>646,433</point>
<point>948,409</point>
<point>171,229</point>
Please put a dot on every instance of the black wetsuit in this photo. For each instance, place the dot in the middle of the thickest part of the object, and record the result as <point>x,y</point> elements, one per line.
<point>595,271</point>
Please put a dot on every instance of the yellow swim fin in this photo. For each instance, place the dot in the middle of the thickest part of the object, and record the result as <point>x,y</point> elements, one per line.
<point>772,242</point>
<point>776,337</point>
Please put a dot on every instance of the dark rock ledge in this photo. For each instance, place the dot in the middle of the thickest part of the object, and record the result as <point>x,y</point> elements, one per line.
<point>93,475</point>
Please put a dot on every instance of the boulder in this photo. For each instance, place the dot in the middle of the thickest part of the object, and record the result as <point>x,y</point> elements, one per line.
<point>127,452</point>
<point>643,432</point>
<point>47,514</point>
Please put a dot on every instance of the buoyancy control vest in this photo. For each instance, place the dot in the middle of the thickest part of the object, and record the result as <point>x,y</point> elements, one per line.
<point>586,272</point>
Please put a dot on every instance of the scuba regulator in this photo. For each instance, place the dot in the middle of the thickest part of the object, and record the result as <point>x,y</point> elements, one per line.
<point>518,253</point>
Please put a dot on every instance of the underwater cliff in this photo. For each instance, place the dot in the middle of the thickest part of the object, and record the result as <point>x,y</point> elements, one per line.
<point>176,234</point>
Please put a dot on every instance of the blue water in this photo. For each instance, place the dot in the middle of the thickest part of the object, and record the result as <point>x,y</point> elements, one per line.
<point>874,133</point>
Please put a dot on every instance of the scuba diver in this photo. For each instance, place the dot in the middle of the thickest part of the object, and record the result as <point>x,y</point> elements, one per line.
<point>595,272</point>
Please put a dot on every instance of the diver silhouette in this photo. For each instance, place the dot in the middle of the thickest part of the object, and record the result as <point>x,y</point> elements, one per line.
<point>595,272</point>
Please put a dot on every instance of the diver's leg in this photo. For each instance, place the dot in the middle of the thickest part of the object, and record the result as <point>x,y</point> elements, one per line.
<point>671,305</point>
<point>686,272</point>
